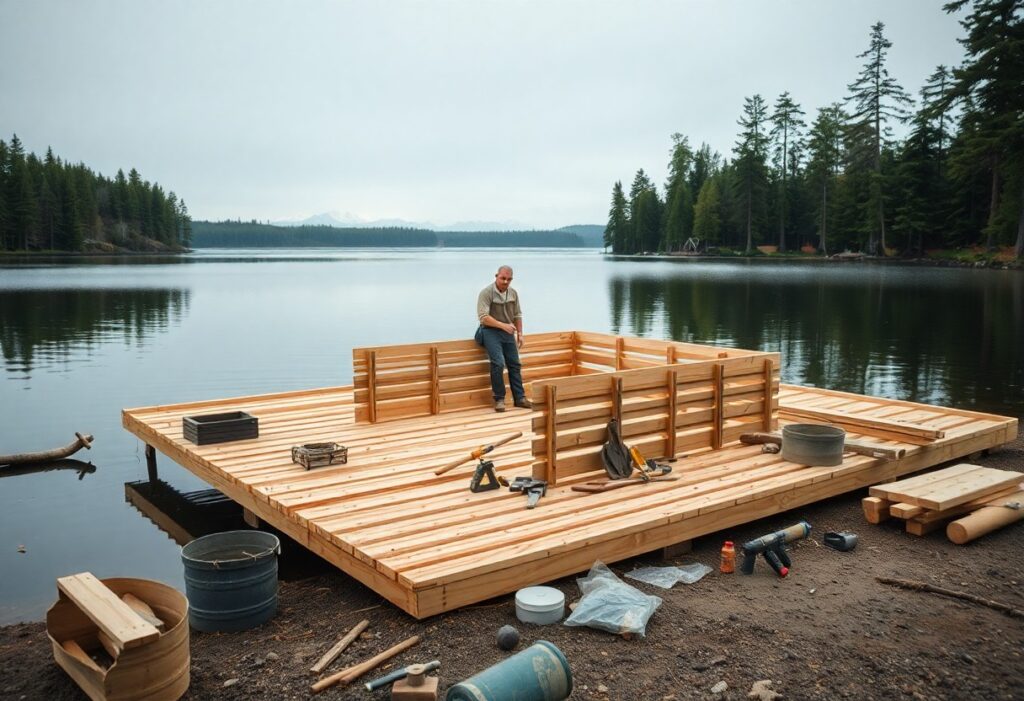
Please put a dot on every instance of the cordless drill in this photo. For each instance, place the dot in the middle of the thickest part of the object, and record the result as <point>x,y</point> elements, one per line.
<point>773,547</point>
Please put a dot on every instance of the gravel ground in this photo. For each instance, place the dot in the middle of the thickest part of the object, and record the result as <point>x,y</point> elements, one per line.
<point>828,630</point>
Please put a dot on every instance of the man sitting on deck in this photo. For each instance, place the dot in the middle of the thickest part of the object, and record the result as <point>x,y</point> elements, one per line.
<point>501,333</point>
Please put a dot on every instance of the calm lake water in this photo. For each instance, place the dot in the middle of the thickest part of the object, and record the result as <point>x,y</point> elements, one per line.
<point>82,340</point>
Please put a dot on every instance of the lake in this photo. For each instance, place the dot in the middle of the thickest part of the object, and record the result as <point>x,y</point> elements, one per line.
<point>81,340</point>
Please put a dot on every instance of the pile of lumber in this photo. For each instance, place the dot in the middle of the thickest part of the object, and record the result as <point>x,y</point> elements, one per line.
<point>981,499</point>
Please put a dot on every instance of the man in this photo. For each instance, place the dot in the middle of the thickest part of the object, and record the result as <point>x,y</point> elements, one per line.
<point>501,334</point>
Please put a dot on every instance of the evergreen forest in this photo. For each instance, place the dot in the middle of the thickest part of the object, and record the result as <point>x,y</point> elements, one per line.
<point>54,205</point>
<point>839,180</point>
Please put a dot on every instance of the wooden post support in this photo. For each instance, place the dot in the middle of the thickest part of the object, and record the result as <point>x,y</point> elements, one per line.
<point>670,355</point>
<point>617,399</point>
<point>676,549</point>
<point>619,343</point>
<point>670,449</point>
<point>769,376</point>
<point>151,463</point>
<point>250,518</point>
<point>718,387</point>
<point>371,384</point>
<point>574,344</point>
<point>435,385</point>
<point>551,398</point>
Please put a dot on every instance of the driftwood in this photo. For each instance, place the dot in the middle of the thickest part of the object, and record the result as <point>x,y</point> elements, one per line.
<point>81,441</point>
<point>924,586</point>
<point>83,468</point>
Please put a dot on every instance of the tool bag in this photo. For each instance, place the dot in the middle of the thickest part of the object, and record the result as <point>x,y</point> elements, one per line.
<point>615,455</point>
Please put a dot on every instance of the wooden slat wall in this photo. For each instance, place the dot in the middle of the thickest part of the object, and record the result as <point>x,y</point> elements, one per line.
<point>600,352</point>
<point>664,411</point>
<point>397,382</point>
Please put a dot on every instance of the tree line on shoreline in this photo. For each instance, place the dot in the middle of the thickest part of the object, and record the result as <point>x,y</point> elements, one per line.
<point>844,182</point>
<point>50,204</point>
<point>252,234</point>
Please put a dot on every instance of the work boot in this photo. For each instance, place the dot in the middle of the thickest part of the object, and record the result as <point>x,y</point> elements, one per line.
<point>499,405</point>
<point>524,403</point>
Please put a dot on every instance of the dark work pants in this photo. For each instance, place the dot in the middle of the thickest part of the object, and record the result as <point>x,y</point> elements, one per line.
<point>502,352</point>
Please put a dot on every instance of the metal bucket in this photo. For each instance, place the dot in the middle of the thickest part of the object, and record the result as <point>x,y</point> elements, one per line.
<point>813,444</point>
<point>231,580</point>
<point>538,673</point>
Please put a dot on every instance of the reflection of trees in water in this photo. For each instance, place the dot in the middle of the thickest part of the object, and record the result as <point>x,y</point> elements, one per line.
<point>889,336</point>
<point>56,322</point>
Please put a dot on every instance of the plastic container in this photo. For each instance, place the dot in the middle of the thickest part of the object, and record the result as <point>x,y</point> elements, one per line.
<point>538,673</point>
<point>231,580</point>
<point>540,605</point>
<point>813,444</point>
<point>728,565</point>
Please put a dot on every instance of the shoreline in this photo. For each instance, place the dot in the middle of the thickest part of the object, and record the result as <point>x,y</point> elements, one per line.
<point>981,263</point>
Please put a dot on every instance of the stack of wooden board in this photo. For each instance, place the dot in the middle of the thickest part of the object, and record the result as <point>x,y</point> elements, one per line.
<point>926,502</point>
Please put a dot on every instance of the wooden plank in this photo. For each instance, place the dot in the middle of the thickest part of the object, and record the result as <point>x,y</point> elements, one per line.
<point>126,628</point>
<point>859,421</point>
<point>718,420</point>
<point>975,485</point>
<point>551,434</point>
<point>673,412</point>
<point>435,385</point>
<point>769,378</point>
<point>895,491</point>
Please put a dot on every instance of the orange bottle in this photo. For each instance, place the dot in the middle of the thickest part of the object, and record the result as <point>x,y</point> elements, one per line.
<point>728,558</point>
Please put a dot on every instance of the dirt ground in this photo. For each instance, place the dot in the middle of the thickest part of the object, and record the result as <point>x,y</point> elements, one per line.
<point>828,630</point>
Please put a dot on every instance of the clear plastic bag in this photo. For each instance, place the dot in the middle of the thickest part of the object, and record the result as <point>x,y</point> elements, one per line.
<point>668,577</point>
<point>610,604</point>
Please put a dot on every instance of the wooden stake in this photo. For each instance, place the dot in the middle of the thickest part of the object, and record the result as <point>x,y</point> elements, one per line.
<point>350,674</point>
<point>617,400</point>
<point>769,373</point>
<point>670,450</point>
<point>718,387</point>
<point>619,343</point>
<point>339,647</point>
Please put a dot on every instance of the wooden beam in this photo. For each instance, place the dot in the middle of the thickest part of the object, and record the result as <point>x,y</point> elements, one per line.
<point>435,385</point>
<point>617,399</point>
<point>718,388</point>
<point>619,342</point>
<point>551,397</point>
<point>151,463</point>
<point>769,379</point>
<point>670,449</point>
<point>371,378</point>
<point>856,422</point>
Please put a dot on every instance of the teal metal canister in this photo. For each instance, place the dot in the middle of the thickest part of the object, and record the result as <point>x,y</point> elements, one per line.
<point>231,580</point>
<point>538,673</point>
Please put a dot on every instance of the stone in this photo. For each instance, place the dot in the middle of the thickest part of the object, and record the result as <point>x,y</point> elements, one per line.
<point>508,638</point>
<point>719,688</point>
<point>271,656</point>
<point>602,689</point>
<point>230,682</point>
<point>762,691</point>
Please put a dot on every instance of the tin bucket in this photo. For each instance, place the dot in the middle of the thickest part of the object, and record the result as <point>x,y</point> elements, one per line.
<point>231,580</point>
<point>538,673</point>
<point>813,444</point>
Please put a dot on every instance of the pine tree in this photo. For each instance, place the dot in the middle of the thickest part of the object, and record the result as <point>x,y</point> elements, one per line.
<point>678,196</point>
<point>5,212</point>
<point>637,231</point>
<point>786,124</point>
<point>877,99</point>
<point>616,231</point>
<point>991,79</point>
<point>707,217</point>
<point>750,163</point>
<point>825,150</point>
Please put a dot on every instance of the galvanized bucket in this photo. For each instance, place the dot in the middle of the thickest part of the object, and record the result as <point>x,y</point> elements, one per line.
<point>231,580</point>
<point>538,673</point>
<point>813,444</point>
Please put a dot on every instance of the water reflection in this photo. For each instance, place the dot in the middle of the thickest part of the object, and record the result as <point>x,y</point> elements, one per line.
<point>903,335</point>
<point>46,326</point>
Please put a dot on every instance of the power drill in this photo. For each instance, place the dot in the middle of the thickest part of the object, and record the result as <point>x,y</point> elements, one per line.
<point>773,546</point>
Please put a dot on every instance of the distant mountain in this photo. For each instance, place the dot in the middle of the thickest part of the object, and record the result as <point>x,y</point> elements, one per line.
<point>349,220</point>
<point>592,234</point>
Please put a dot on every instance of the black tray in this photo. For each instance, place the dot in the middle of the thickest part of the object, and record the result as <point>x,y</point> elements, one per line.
<point>220,428</point>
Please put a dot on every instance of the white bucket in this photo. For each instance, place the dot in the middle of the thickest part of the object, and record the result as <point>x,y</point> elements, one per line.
<point>540,605</point>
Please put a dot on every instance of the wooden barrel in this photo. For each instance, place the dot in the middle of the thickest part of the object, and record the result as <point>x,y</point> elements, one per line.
<point>157,670</point>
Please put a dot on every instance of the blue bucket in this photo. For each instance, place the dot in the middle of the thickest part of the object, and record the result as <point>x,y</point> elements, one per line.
<point>231,580</point>
<point>538,673</point>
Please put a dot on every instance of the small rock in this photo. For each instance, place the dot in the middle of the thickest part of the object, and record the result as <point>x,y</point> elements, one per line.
<point>670,697</point>
<point>271,656</point>
<point>258,662</point>
<point>966,658</point>
<point>602,689</point>
<point>701,667</point>
<point>762,691</point>
<point>812,591</point>
<point>717,661</point>
<point>719,688</point>
<point>733,617</point>
<point>230,682</point>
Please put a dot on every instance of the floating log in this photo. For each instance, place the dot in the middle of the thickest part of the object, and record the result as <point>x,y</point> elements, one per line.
<point>81,441</point>
<point>989,518</point>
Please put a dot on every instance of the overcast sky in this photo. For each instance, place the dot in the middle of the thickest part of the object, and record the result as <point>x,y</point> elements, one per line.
<point>523,112</point>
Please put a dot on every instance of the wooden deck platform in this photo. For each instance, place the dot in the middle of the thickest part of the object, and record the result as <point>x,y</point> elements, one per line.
<point>427,544</point>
